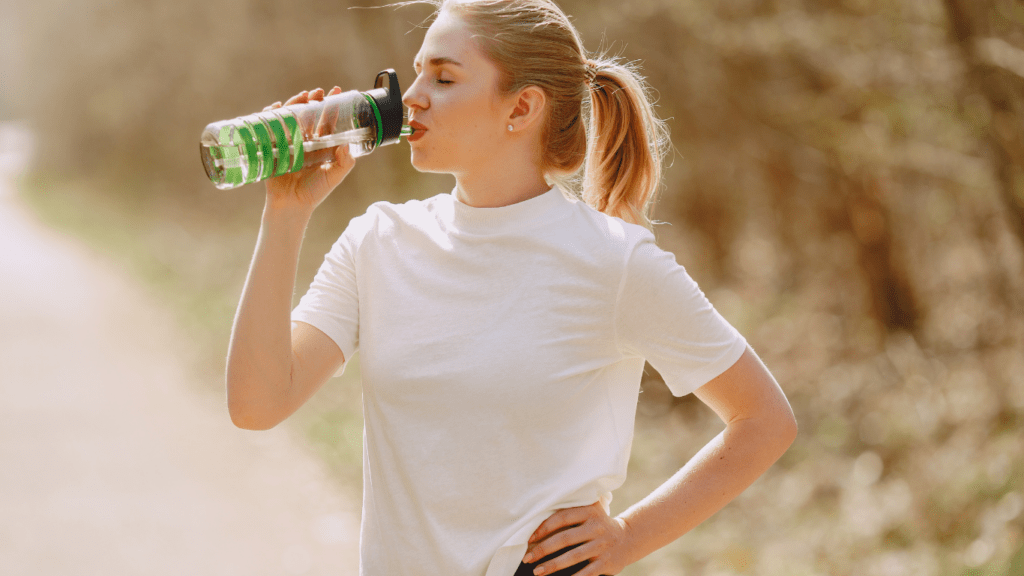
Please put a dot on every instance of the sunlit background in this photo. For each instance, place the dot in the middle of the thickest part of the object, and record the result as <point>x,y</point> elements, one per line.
<point>847,186</point>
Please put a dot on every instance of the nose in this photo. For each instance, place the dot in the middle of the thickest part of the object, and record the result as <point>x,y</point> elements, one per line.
<point>412,97</point>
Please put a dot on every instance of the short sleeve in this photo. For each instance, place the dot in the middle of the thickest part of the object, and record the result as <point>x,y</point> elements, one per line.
<point>332,302</point>
<point>664,317</point>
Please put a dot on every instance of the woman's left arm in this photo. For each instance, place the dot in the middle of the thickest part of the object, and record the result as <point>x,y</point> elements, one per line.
<point>760,426</point>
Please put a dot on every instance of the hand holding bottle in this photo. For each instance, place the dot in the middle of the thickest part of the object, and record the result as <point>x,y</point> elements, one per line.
<point>325,168</point>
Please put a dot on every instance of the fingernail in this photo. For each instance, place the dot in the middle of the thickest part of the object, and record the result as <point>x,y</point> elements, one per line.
<point>539,571</point>
<point>528,558</point>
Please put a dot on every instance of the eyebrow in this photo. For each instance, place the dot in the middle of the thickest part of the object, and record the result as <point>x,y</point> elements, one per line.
<point>438,61</point>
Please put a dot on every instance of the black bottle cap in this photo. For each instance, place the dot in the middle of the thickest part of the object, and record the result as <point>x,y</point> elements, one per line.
<point>389,103</point>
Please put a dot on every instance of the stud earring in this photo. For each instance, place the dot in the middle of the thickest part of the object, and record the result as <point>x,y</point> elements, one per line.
<point>509,127</point>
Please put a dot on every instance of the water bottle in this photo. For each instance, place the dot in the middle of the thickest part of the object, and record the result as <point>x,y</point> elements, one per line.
<point>275,142</point>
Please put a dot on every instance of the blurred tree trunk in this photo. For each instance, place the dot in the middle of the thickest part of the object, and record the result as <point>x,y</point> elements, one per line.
<point>986,30</point>
<point>867,217</point>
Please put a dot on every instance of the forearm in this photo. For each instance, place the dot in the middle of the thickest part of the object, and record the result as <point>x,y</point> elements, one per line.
<point>260,353</point>
<point>725,467</point>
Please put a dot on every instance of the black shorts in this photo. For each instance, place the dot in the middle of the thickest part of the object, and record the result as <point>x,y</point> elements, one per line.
<point>527,569</point>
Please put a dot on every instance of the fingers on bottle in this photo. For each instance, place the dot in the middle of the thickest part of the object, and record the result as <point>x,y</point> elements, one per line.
<point>298,98</point>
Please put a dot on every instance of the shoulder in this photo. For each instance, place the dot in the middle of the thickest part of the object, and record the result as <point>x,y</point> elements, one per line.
<point>387,216</point>
<point>600,229</point>
<point>383,218</point>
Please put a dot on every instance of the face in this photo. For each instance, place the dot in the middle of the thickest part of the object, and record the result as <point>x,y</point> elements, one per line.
<point>454,96</point>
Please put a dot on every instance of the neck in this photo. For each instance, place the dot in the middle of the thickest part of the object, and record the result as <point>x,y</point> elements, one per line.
<point>501,182</point>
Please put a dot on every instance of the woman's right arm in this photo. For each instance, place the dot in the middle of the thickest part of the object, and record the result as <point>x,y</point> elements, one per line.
<point>273,367</point>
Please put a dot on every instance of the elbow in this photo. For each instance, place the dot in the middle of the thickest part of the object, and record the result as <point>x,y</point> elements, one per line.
<point>249,413</point>
<point>247,420</point>
<point>788,430</point>
<point>783,423</point>
<point>777,435</point>
<point>783,429</point>
<point>777,432</point>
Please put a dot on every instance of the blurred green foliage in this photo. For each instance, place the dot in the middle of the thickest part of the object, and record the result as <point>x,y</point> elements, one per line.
<point>847,190</point>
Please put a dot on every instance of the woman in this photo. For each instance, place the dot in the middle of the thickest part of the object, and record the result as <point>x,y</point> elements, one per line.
<point>504,327</point>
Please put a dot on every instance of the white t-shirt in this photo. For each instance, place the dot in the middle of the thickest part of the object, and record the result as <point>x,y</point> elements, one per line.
<point>501,356</point>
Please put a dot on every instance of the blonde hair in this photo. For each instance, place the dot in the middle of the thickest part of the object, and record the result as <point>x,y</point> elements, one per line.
<point>622,144</point>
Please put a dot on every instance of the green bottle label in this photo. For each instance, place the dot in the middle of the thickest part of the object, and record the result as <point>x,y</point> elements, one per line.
<point>296,141</point>
<point>229,153</point>
<point>246,136</point>
<point>282,162</point>
<point>265,147</point>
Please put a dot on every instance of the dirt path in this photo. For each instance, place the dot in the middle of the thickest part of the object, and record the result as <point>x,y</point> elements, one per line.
<point>111,462</point>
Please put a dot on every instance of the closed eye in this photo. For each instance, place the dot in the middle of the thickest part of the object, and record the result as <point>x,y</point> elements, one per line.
<point>439,81</point>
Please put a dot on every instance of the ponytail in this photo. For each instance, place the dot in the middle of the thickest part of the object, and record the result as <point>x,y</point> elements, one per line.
<point>626,145</point>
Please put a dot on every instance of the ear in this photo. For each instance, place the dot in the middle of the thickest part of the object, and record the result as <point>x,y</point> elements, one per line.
<point>529,108</point>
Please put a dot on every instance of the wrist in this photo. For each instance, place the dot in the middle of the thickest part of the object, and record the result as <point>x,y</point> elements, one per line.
<point>630,542</point>
<point>286,212</point>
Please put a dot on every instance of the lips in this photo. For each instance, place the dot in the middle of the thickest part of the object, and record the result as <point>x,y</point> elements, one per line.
<point>420,131</point>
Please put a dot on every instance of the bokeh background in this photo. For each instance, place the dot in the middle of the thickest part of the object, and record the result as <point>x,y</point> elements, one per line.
<point>847,186</point>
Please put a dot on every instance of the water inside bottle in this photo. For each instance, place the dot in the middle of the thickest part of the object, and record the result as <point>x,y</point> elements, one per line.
<point>356,137</point>
<point>257,147</point>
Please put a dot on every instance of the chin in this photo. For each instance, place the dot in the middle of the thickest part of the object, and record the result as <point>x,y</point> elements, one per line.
<point>419,164</point>
<point>423,164</point>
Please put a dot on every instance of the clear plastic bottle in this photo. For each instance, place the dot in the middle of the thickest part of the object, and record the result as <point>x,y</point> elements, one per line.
<point>263,145</point>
